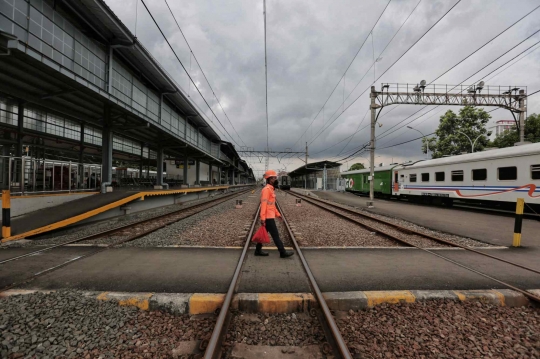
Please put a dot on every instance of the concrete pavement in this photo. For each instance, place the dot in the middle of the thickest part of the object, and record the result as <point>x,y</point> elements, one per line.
<point>209,270</point>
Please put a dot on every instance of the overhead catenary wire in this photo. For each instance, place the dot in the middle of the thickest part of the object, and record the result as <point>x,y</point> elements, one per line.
<point>181,64</point>
<point>367,71</point>
<point>399,58</point>
<point>200,67</point>
<point>384,134</point>
<point>506,52</point>
<point>266,90</point>
<point>344,73</point>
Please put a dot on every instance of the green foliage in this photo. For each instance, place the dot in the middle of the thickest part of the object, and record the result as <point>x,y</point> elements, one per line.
<point>449,141</point>
<point>357,166</point>
<point>532,133</point>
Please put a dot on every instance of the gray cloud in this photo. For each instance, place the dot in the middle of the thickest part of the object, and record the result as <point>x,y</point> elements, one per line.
<point>310,43</point>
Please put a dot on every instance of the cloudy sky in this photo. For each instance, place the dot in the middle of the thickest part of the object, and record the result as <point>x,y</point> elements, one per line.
<point>310,44</point>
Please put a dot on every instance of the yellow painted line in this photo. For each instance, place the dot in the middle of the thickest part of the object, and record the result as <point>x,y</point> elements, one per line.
<point>284,302</point>
<point>141,301</point>
<point>94,212</point>
<point>102,296</point>
<point>391,296</point>
<point>51,195</point>
<point>203,303</point>
<point>491,295</point>
<point>461,296</point>
<point>501,297</point>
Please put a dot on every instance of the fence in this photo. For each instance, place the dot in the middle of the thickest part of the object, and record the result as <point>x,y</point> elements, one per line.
<point>27,175</point>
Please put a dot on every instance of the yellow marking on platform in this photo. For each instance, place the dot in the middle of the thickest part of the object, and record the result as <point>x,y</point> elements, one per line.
<point>142,303</point>
<point>391,296</point>
<point>491,295</point>
<point>501,297</point>
<point>94,212</point>
<point>461,296</point>
<point>284,302</point>
<point>102,296</point>
<point>205,303</point>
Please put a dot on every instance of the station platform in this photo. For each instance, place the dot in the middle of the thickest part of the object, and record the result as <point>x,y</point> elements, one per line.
<point>87,207</point>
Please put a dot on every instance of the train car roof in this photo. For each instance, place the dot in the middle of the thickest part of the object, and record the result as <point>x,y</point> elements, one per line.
<point>515,151</point>
<point>367,170</point>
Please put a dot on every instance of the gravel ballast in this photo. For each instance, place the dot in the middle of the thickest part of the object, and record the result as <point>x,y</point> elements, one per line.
<point>294,329</point>
<point>467,242</point>
<point>93,228</point>
<point>319,228</point>
<point>442,329</point>
<point>66,324</point>
<point>221,225</point>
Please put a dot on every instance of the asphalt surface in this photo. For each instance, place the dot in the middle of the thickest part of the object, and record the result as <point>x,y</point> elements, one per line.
<point>490,228</point>
<point>209,270</point>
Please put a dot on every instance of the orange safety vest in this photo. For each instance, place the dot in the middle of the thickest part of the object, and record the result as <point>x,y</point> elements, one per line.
<point>268,203</point>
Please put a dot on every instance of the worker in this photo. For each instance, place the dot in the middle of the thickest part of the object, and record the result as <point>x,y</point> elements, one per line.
<point>268,214</point>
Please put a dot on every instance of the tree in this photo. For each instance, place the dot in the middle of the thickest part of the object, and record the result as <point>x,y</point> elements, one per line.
<point>357,166</point>
<point>449,138</point>
<point>508,138</point>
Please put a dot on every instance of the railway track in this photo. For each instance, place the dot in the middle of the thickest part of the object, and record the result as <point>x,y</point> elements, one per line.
<point>469,207</point>
<point>335,344</point>
<point>128,232</point>
<point>388,229</point>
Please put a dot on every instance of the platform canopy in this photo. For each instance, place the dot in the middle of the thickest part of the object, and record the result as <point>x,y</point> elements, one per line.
<point>313,167</point>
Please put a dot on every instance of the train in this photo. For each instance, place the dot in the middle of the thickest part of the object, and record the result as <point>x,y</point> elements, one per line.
<point>284,182</point>
<point>497,176</point>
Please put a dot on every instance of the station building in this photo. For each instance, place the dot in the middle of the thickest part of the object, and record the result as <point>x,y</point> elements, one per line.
<point>83,103</point>
<point>323,175</point>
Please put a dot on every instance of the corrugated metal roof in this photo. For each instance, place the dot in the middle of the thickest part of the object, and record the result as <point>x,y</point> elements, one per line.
<point>103,19</point>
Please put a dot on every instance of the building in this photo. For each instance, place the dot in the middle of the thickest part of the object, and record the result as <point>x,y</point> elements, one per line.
<point>318,175</point>
<point>79,92</point>
<point>502,126</point>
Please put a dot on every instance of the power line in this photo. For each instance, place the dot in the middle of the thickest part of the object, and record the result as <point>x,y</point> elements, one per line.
<point>381,135</point>
<point>344,73</point>
<point>442,17</point>
<point>266,88</point>
<point>367,71</point>
<point>197,61</point>
<point>174,52</point>
<point>471,54</point>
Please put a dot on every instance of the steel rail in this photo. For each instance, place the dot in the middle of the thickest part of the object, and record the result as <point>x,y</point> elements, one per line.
<point>338,338</point>
<point>522,291</point>
<point>213,349</point>
<point>410,231</point>
<point>101,249</point>
<point>127,226</point>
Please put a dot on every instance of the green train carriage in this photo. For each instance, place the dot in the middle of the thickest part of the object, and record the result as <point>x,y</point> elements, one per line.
<point>358,181</point>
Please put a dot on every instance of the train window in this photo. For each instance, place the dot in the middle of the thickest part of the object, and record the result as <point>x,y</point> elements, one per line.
<point>413,178</point>
<point>425,177</point>
<point>507,173</point>
<point>535,171</point>
<point>479,174</point>
<point>439,176</point>
<point>457,176</point>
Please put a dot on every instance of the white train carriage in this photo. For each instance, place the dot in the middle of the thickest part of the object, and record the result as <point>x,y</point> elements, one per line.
<point>500,175</point>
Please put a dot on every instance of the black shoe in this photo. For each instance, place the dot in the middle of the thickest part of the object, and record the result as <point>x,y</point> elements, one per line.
<point>286,254</point>
<point>261,253</point>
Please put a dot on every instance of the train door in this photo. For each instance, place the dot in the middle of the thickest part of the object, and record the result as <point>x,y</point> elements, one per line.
<point>396,181</point>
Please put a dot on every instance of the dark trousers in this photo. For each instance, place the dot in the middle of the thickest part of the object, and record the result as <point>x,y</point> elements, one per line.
<point>272,229</point>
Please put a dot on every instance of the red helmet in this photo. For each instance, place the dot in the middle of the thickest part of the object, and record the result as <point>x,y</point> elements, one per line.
<point>270,173</point>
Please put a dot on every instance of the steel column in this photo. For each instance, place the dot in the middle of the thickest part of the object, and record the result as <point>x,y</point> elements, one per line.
<point>107,146</point>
